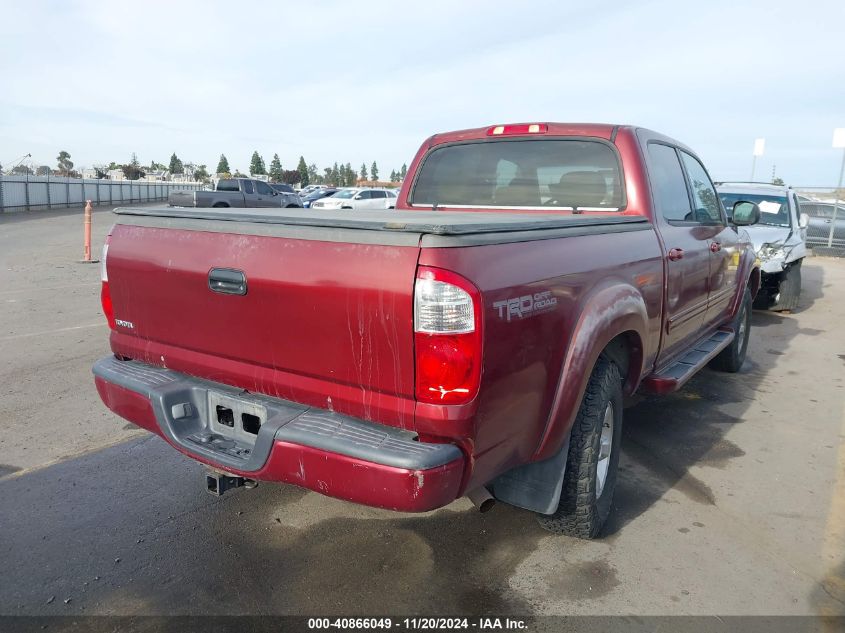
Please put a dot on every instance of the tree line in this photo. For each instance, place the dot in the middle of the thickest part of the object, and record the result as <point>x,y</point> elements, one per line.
<point>338,175</point>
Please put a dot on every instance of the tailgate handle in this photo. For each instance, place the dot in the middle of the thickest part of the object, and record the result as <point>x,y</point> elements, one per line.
<point>227,281</point>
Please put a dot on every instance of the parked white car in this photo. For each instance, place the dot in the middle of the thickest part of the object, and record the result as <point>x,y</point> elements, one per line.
<point>779,239</point>
<point>358,198</point>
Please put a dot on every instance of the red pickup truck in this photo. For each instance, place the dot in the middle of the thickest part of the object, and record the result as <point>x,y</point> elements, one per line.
<point>478,340</point>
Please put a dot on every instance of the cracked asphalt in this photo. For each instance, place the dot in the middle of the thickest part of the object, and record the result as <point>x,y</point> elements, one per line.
<point>731,497</point>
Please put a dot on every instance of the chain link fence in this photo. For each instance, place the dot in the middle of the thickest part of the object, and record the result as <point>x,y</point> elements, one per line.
<point>30,193</point>
<point>826,232</point>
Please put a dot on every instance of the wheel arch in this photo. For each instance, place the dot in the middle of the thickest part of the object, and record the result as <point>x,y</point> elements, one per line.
<point>537,486</point>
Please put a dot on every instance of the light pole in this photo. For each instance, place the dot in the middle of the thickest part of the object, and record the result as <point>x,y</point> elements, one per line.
<point>838,142</point>
<point>759,146</point>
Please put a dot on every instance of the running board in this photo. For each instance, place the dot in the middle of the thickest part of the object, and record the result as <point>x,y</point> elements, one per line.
<point>679,372</point>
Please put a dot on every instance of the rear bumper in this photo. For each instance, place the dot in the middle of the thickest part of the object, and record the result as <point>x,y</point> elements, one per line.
<point>333,454</point>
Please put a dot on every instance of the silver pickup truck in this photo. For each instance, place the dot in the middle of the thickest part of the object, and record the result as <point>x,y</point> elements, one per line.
<point>236,192</point>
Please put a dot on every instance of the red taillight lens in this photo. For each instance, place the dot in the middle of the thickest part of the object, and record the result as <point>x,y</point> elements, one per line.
<point>447,325</point>
<point>105,299</point>
<point>105,295</point>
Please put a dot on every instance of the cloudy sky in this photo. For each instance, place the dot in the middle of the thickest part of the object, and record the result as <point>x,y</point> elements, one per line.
<point>364,81</point>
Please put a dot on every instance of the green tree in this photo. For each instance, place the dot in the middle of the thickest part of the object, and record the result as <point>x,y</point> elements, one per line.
<point>176,166</point>
<point>351,176</point>
<point>327,175</point>
<point>64,162</point>
<point>404,171</point>
<point>302,168</point>
<point>393,175</point>
<point>22,170</point>
<point>363,171</point>
<point>201,174</point>
<point>132,170</point>
<point>256,165</point>
<point>44,170</point>
<point>275,169</point>
<point>313,174</point>
<point>374,172</point>
<point>778,181</point>
<point>335,179</point>
<point>223,165</point>
<point>238,174</point>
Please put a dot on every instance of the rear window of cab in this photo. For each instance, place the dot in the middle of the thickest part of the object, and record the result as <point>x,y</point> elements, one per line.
<point>554,174</point>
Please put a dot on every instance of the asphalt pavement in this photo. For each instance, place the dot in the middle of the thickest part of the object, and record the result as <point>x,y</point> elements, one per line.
<point>731,496</point>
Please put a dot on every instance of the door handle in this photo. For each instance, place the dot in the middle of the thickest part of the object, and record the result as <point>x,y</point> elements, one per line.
<point>227,281</point>
<point>715,247</point>
<point>675,254</point>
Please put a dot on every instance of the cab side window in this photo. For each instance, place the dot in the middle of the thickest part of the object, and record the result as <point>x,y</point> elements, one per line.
<point>670,187</point>
<point>365,195</point>
<point>707,209</point>
<point>247,185</point>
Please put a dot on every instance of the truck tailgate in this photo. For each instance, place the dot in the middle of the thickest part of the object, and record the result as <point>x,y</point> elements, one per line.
<point>323,323</point>
<point>182,198</point>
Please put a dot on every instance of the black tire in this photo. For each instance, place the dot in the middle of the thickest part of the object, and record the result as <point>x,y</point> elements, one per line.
<point>292,206</point>
<point>580,512</point>
<point>220,205</point>
<point>733,356</point>
<point>790,287</point>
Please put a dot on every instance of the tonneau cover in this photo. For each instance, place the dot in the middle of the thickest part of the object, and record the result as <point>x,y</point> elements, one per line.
<point>425,222</point>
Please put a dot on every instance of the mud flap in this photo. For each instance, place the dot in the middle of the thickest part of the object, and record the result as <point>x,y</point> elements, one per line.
<point>535,486</point>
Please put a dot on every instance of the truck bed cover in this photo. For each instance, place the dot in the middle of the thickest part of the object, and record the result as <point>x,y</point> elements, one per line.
<point>473,227</point>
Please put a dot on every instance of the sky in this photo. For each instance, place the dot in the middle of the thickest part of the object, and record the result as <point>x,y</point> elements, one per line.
<point>370,80</point>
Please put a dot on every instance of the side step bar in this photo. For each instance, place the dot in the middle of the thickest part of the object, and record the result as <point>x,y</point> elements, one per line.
<point>675,375</point>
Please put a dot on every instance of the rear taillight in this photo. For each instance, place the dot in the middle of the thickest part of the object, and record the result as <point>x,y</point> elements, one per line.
<point>105,295</point>
<point>447,326</point>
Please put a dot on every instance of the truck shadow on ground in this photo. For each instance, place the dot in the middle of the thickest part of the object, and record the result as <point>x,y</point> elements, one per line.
<point>665,436</point>
<point>128,531</point>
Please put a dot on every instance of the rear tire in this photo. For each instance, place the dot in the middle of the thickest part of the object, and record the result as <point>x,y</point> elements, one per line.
<point>591,465</point>
<point>220,205</point>
<point>733,356</point>
<point>790,287</point>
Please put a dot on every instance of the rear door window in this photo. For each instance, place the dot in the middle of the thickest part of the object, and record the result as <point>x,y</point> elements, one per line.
<point>670,187</point>
<point>247,186</point>
<point>263,189</point>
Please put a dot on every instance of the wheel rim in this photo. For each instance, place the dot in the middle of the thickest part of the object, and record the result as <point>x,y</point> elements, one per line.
<point>605,448</point>
<point>743,326</point>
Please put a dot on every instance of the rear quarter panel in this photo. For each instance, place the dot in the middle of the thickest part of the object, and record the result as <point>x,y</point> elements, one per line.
<point>526,404</point>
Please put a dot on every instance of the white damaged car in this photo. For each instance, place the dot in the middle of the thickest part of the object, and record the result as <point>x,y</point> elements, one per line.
<point>779,239</point>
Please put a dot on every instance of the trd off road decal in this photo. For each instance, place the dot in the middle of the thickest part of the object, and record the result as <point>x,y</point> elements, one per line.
<point>526,305</point>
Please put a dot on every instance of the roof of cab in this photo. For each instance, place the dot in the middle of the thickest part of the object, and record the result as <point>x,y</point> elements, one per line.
<point>600,130</point>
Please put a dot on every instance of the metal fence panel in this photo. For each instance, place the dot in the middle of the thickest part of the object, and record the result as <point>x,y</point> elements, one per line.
<point>75,193</point>
<point>58,193</point>
<point>14,194</point>
<point>22,193</point>
<point>38,192</point>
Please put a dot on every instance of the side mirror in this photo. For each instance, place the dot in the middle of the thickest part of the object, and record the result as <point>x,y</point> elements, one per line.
<point>745,213</point>
<point>358,197</point>
<point>803,221</point>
